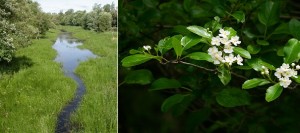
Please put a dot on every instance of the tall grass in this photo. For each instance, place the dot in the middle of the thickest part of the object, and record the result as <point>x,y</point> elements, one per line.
<point>33,89</point>
<point>98,110</point>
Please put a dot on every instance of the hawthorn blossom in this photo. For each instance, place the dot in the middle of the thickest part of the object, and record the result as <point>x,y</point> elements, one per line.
<point>239,60</point>
<point>147,47</point>
<point>224,33</point>
<point>228,49</point>
<point>285,82</point>
<point>216,41</point>
<point>230,59</point>
<point>235,40</point>
<point>284,73</point>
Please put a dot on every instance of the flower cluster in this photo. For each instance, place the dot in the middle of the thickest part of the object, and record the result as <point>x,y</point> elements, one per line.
<point>224,41</point>
<point>285,72</point>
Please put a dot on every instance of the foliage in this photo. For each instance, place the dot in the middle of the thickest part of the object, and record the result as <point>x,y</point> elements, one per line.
<point>215,51</point>
<point>21,21</point>
<point>100,19</point>
<point>33,88</point>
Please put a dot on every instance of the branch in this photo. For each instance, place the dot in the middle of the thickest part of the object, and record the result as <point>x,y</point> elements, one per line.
<point>207,69</point>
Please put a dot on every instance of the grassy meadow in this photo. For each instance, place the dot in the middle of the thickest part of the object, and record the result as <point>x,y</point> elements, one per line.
<point>33,89</point>
<point>98,110</point>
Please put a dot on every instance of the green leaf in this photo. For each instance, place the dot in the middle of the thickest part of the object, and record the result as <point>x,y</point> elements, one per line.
<point>291,51</point>
<point>262,42</point>
<point>200,56</point>
<point>200,31</point>
<point>171,101</point>
<point>164,83</point>
<point>133,51</point>
<point>269,13</point>
<point>273,92</point>
<point>136,59</point>
<point>231,30</point>
<point>233,97</point>
<point>142,77</point>
<point>294,26</point>
<point>177,45</point>
<point>189,41</point>
<point>296,79</point>
<point>254,83</point>
<point>253,49</point>
<point>224,74</point>
<point>164,45</point>
<point>282,29</point>
<point>188,4</point>
<point>257,64</point>
<point>239,16</point>
<point>242,52</point>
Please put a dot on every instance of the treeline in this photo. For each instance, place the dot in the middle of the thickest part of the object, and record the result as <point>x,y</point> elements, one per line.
<point>99,19</point>
<point>20,21</point>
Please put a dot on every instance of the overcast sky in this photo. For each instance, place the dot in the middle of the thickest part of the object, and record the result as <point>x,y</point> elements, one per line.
<point>58,5</point>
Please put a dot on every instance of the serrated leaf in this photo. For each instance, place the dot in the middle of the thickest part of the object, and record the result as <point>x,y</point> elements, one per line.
<point>242,52</point>
<point>224,74</point>
<point>164,45</point>
<point>239,16</point>
<point>142,77</point>
<point>177,45</point>
<point>273,92</point>
<point>136,59</point>
<point>200,31</point>
<point>269,13</point>
<point>294,26</point>
<point>200,56</point>
<point>291,51</point>
<point>189,41</point>
<point>165,83</point>
<point>257,64</point>
<point>171,101</point>
<point>254,83</point>
<point>233,97</point>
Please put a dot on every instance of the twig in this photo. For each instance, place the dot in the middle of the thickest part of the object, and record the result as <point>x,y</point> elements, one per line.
<point>207,69</point>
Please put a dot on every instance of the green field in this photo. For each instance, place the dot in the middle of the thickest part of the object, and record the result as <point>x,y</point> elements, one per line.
<point>33,88</point>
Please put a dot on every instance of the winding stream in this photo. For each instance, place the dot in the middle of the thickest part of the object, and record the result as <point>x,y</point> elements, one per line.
<point>69,55</point>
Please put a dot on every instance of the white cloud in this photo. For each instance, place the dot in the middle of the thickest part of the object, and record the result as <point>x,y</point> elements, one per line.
<point>63,5</point>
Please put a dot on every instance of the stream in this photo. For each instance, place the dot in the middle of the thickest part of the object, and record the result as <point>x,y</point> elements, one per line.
<point>69,55</point>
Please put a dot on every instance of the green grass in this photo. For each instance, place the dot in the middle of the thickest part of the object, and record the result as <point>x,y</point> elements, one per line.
<point>98,110</point>
<point>33,89</point>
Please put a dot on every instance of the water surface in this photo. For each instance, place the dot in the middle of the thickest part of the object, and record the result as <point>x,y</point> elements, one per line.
<point>69,55</point>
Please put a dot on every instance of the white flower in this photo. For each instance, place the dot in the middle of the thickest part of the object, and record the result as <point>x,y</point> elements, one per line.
<point>215,41</point>
<point>235,40</point>
<point>224,33</point>
<point>239,60</point>
<point>284,82</point>
<point>212,50</point>
<point>265,70</point>
<point>228,49</point>
<point>217,57</point>
<point>297,67</point>
<point>230,59</point>
<point>225,41</point>
<point>278,72</point>
<point>147,47</point>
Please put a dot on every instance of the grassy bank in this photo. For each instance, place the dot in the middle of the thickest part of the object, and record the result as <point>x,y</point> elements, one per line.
<point>98,110</point>
<point>33,89</point>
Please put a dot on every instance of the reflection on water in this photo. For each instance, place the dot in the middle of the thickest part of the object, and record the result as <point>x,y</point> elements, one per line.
<point>69,55</point>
